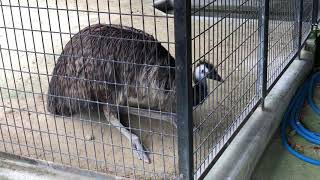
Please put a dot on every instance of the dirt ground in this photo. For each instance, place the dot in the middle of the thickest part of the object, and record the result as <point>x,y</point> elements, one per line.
<point>40,32</point>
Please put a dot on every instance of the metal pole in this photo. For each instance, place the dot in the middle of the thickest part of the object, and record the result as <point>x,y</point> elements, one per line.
<point>263,51</point>
<point>315,10</point>
<point>260,50</point>
<point>182,27</point>
<point>297,29</point>
<point>300,23</point>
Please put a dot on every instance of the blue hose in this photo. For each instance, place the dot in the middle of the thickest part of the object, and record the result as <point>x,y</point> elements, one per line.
<point>292,114</point>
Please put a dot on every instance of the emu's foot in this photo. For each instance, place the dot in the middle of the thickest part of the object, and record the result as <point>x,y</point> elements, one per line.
<point>139,151</point>
<point>89,137</point>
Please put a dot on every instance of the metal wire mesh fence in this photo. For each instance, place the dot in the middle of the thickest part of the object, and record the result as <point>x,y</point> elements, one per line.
<point>251,43</point>
<point>283,36</point>
<point>103,85</point>
<point>65,71</point>
<point>230,42</point>
<point>315,2</point>
<point>307,17</point>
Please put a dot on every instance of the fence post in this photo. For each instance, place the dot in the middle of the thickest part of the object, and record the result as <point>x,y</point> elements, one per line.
<point>182,26</point>
<point>300,23</point>
<point>297,27</point>
<point>263,50</point>
<point>315,12</point>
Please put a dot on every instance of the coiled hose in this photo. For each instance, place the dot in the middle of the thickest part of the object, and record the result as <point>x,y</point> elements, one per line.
<point>292,115</point>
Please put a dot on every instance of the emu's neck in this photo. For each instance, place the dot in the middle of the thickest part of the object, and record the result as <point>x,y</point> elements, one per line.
<point>200,91</point>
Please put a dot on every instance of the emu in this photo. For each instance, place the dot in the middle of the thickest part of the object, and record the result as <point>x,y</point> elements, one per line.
<point>119,66</point>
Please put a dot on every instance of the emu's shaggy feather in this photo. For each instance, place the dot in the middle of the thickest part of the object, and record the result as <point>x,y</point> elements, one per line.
<point>112,64</point>
<point>118,66</point>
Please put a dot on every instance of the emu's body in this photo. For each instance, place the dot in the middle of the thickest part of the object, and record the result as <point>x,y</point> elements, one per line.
<point>107,63</point>
<point>116,66</point>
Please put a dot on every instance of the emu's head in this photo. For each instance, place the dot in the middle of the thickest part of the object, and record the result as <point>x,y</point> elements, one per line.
<point>202,72</point>
<point>205,71</point>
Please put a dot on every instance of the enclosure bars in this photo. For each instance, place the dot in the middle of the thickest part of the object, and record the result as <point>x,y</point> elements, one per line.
<point>315,8</point>
<point>299,19</point>
<point>263,50</point>
<point>182,28</point>
<point>182,32</point>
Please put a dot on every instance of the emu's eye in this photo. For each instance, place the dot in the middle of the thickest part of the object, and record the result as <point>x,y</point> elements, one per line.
<point>202,71</point>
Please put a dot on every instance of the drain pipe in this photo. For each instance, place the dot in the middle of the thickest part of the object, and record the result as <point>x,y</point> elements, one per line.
<point>195,4</point>
<point>225,6</point>
<point>164,5</point>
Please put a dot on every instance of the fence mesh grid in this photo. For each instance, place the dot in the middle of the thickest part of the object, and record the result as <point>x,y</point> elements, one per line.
<point>91,84</point>
<point>226,33</point>
<point>283,34</point>
<point>307,18</point>
<point>71,126</point>
<point>318,12</point>
<point>229,41</point>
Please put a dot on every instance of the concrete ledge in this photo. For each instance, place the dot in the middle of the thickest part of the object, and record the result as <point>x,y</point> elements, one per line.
<point>16,167</point>
<point>240,158</point>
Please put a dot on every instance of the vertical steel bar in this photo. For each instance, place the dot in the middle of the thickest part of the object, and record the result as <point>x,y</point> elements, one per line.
<point>260,50</point>
<point>263,50</point>
<point>182,27</point>
<point>315,10</point>
<point>318,16</point>
<point>295,29</point>
<point>265,18</point>
<point>300,23</point>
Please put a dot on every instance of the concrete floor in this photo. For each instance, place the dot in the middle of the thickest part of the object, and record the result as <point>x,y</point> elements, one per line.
<point>278,164</point>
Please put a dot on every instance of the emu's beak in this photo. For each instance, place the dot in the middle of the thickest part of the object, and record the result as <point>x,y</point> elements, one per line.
<point>215,76</point>
<point>218,78</point>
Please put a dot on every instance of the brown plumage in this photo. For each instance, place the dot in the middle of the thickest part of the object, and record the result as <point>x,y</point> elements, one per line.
<point>99,57</point>
<point>115,66</point>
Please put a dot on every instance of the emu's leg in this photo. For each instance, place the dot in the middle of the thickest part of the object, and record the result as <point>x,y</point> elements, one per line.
<point>163,116</point>
<point>138,149</point>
